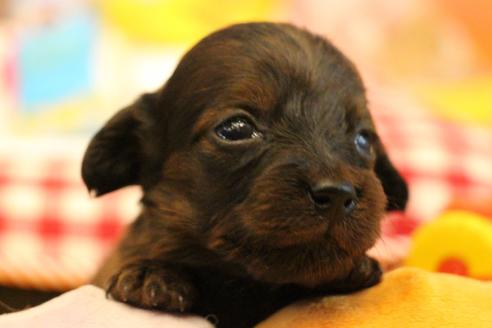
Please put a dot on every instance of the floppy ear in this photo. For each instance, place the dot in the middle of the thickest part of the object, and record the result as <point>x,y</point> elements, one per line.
<point>114,155</point>
<point>394,186</point>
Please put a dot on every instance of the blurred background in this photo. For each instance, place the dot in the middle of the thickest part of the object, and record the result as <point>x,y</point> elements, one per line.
<point>67,66</point>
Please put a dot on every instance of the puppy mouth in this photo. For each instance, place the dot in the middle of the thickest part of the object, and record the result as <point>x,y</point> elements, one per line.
<point>323,225</point>
<point>298,237</point>
<point>320,253</point>
<point>337,233</point>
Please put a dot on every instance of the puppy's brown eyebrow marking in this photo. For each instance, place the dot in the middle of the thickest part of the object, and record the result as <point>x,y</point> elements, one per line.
<point>251,93</point>
<point>253,110</point>
<point>359,114</point>
<point>351,118</point>
<point>207,119</point>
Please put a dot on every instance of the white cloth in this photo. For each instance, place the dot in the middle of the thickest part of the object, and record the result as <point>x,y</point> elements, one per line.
<point>88,307</point>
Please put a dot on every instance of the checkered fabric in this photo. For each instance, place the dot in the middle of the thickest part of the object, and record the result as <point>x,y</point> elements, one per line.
<point>442,161</point>
<point>53,235</point>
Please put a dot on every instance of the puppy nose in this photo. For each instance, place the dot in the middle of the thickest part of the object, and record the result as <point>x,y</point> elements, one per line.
<point>340,197</point>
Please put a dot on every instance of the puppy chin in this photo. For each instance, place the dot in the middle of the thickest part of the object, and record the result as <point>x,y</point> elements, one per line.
<point>309,266</point>
<point>327,254</point>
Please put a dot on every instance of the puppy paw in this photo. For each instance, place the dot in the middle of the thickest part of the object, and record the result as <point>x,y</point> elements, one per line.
<point>365,274</point>
<point>150,285</point>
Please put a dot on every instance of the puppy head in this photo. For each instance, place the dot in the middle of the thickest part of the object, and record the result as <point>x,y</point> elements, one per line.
<point>259,149</point>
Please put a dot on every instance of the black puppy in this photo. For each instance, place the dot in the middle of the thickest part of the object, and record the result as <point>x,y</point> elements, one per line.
<point>263,179</point>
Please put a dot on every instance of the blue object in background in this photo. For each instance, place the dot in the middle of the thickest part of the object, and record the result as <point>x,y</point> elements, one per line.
<point>55,62</point>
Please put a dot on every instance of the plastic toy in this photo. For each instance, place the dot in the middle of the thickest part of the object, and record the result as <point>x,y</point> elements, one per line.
<point>458,242</point>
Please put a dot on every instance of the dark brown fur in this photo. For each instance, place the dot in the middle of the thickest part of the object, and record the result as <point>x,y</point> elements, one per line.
<point>228,229</point>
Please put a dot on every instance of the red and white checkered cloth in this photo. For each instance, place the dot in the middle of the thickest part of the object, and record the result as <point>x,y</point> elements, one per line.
<point>53,235</point>
<point>441,160</point>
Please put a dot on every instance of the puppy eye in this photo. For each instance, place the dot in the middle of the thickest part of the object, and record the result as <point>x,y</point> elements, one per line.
<point>237,128</point>
<point>363,143</point>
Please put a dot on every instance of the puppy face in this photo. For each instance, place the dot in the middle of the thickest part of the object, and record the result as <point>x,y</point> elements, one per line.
<point>260,152</point>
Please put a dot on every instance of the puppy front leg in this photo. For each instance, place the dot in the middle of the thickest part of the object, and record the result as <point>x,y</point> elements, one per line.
<point>136,275</point>
<point>365,273</point>
<point>132,276</point>
<point>153,284</point>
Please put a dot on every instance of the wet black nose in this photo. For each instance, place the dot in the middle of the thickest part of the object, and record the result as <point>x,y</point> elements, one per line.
<point>340,197</point>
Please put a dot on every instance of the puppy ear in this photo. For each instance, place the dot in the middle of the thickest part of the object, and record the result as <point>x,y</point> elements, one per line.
<point>394,186</point>
<point>114,155</point>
